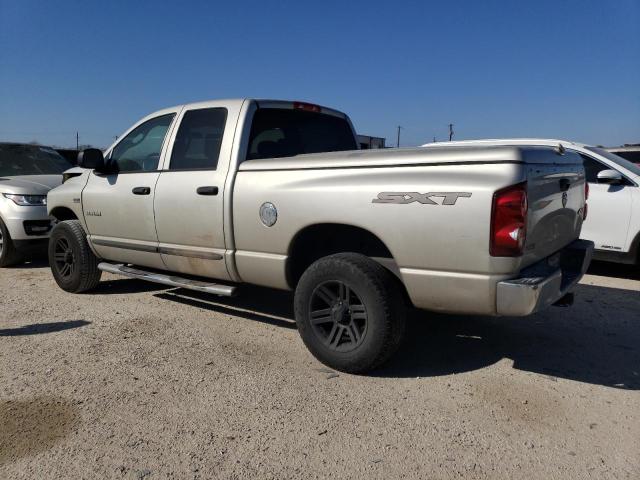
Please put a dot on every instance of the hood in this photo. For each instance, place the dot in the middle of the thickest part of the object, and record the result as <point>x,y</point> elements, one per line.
<point>30,184</point>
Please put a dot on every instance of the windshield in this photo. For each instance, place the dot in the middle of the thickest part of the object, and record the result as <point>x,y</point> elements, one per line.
<point>632,167</point>
<point>17,160</point>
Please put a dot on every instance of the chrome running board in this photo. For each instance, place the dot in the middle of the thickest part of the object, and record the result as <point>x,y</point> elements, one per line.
<point>170,280</point>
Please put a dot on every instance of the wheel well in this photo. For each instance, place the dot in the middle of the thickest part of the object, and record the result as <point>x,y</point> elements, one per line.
<point>320,240</point>
<point>63,213</point>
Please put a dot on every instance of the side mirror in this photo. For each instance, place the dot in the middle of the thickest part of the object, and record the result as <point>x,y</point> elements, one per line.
<point>610,177</point>
<point>91,158</point>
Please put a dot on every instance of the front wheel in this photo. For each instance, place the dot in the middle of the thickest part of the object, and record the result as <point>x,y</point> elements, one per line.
<point>350,312</point>
<point>73,265</point>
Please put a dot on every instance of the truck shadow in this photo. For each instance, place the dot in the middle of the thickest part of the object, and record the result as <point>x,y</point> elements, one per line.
<point>273,307</point>
<point>596,341</point>
<point>608,269</point>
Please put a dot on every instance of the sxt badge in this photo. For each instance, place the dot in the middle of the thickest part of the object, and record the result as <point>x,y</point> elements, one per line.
<point>449,198</point>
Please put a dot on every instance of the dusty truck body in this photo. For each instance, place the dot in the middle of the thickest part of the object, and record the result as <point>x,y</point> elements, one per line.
<point>226,193</point>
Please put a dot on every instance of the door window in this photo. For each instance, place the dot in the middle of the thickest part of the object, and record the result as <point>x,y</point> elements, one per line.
<point>592,168</point>
<point>198,141</point>
<point>140,150</point>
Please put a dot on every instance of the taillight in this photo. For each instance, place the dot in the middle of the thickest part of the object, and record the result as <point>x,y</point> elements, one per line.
<point>509,221</point>
<point>310,107</point>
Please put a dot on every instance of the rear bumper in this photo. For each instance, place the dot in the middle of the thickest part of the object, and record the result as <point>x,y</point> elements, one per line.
<point>545,282</point>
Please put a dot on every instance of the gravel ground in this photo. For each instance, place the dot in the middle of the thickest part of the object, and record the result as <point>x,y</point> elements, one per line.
<point>139,381</point>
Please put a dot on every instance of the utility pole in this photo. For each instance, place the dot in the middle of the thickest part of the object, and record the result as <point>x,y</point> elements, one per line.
<point>450,131</point>
<point>398,141</point>
<point>77,141</point>
<point>434,139</point>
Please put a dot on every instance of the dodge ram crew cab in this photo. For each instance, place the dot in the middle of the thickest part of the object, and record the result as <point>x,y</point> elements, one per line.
<point>211,195</point>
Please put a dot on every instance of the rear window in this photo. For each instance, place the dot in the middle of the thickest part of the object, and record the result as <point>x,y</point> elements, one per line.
<point>16,160</point>
<point>278,133</point>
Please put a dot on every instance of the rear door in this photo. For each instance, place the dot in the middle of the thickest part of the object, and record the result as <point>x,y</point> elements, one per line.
<point>189,201</point>
<point>118,207</point>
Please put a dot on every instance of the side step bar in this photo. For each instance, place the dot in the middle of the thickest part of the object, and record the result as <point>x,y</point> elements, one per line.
<point>171,280</point>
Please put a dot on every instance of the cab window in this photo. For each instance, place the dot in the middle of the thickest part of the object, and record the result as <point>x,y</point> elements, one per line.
<point>198,141</point>
<point>140,150</point>
<point>277,132</point>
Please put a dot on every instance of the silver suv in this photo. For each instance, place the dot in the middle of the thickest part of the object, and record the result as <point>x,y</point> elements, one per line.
<point>27,173</point>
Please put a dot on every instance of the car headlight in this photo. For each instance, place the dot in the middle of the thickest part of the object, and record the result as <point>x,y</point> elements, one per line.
<point>27,200</point>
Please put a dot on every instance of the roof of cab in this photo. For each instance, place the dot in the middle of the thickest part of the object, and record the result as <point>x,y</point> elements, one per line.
<point>262,102</point>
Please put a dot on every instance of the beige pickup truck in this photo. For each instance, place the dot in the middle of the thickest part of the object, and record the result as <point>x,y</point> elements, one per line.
<point>211,195</point>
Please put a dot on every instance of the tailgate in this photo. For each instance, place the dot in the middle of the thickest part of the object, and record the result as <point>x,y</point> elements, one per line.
<point>556,196</point>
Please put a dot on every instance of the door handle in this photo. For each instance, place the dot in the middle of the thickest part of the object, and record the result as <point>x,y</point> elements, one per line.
<point>207,190</point>
<point>141,191</point>
<point>564,184</point>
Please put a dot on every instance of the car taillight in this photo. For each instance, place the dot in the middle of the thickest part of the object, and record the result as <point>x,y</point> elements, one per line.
<point>509,221</point>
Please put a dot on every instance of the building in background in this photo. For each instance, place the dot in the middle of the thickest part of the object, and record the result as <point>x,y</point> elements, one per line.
<point>366,142</point>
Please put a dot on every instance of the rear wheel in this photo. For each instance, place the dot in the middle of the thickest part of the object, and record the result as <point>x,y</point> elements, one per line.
<point>350,312</point>
<point>8,253</point>
<point>73,265</point>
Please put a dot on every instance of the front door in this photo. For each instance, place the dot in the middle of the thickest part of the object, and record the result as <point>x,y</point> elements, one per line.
<point>118,207</point>
<point>609,210</point>
<point>189,194</point>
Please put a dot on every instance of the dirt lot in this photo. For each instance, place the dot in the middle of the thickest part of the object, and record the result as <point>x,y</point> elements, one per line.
<point>139,381</point>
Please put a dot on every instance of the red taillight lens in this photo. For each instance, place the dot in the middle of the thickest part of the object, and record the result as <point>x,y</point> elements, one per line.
<point>509,221</point>
<point>310,107</point>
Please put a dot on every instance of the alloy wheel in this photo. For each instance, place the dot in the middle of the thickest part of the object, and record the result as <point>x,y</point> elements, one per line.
<point>338,316</point>
<point>64,258</point>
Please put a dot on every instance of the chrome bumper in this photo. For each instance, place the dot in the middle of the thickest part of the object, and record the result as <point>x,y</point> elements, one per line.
<point>545,282</point>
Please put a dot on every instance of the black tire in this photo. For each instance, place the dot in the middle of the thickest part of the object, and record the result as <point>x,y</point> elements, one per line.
<point>73,265</point>
<point>8,253</point>
<point>365,333</point>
